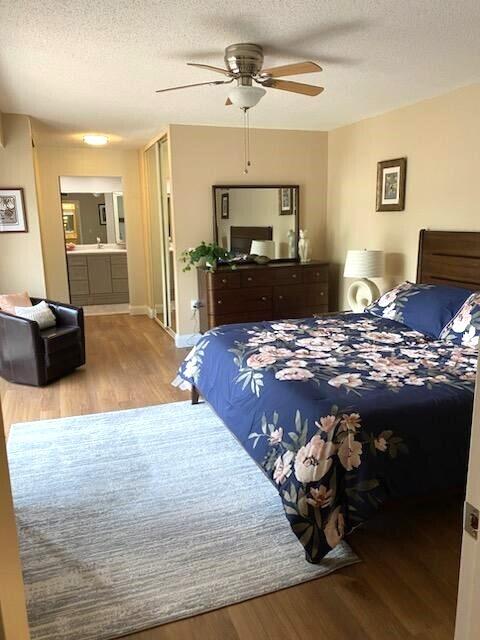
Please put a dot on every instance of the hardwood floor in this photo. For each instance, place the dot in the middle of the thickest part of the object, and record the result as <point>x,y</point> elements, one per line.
<point>130,363</point>
<point>405,588</point>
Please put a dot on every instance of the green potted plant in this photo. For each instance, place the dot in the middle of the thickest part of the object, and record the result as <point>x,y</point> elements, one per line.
<point>205,256</point>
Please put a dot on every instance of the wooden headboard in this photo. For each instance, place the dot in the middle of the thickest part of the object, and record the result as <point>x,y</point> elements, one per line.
<point>450,258</point>
<point>241,237</point>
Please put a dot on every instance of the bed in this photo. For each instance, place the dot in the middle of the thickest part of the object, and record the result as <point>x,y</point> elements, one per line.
<point>345,411</point>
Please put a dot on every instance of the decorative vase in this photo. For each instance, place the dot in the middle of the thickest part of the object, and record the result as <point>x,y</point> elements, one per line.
<point>304,246</point>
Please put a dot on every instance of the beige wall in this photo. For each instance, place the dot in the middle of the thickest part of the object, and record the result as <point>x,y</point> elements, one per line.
<point>1,130</point>
<point>21,263</point>
<point>203,156</point>
<point>441,139</point>
<point>53,162</point>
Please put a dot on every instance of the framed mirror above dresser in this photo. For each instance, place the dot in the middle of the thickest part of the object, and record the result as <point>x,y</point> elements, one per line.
<point>248,219</point>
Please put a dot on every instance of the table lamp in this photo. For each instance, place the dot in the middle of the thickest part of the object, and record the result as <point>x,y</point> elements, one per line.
<point>363,264</point>
<point>263,248</point>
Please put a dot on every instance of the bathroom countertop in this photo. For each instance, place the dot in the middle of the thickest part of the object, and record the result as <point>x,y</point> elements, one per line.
<point>83,250</point>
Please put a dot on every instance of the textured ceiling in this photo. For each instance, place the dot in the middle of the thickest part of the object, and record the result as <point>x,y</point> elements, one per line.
<point>93,65</point>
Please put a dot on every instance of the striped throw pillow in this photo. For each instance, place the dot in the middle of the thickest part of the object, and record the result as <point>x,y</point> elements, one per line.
<point>40,313</point>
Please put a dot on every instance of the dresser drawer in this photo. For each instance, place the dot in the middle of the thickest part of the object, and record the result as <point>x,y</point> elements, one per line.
<point>285,275</point>
<point>239,317</point>
<point>289,298</point>
<point>315,274</point>
<point>257,278</point>
<point>223,280</point>
<point>240,300</point>
<point>302,312</point>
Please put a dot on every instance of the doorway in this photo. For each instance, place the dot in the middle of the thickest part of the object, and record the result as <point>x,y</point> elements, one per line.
<point>94,227</point>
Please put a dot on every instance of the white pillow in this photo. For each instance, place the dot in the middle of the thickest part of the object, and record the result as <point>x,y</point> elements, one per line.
<point>40,313</point>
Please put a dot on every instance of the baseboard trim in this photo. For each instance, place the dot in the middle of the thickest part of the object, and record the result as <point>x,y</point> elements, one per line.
<point>141,310</point>
<point>183,340</point>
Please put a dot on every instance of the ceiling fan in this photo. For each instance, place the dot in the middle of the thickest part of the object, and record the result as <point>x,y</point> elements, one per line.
<point>244,64</point>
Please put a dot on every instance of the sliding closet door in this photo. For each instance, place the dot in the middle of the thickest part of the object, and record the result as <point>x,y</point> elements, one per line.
<point>169,254</point>
<point>152,170</point>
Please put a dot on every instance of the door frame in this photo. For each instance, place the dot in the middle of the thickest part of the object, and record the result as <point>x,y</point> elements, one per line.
<point>468,612</point>
<point>13,610</point>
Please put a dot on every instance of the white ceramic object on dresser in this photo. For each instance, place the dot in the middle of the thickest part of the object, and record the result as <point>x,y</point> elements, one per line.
<point>363,264</point>
<point>304,246</point>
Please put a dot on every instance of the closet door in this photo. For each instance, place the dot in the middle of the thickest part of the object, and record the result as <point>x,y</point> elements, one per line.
<point>167,229</point>
<point>154,200</point>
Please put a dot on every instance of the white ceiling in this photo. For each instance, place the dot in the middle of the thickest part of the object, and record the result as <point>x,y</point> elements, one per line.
<point>93,65</point>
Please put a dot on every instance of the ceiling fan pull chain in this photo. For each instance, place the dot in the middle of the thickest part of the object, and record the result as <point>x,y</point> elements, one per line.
<point>245,142</point>
<point>248,138</point>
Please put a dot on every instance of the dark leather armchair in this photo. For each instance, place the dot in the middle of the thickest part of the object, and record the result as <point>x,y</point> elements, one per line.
<point>32,356</point>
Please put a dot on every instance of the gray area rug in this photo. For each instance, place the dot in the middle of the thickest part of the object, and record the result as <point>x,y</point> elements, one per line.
<point>135,518</point>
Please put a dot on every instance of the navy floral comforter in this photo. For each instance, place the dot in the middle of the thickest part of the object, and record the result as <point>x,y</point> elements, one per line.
<point>341,412</point>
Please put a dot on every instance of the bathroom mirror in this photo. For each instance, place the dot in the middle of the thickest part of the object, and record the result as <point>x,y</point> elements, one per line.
<point>262,220</point>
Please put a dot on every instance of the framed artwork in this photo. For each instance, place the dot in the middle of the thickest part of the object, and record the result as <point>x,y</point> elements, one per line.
<point>391,178</point>
<point>225,212</point>
<point>102,214</point>
<point>13,216</point>
<point>285,199</point>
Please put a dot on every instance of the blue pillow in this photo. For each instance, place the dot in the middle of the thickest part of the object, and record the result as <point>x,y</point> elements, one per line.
<point>427,308</point>
<point>464,328</point>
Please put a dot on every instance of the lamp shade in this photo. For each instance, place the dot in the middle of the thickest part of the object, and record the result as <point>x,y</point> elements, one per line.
<point>364,263</point>
<point>263,248</point>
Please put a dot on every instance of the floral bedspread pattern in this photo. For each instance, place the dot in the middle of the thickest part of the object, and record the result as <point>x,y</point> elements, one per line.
<point>465,326</point>
<point>340,412</point>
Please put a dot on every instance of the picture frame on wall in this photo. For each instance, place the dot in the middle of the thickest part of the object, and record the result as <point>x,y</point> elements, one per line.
<point>286,201</point>
<point>13,215</point>
<point>102,214</point>
<point>225,211</point>
<point>391,181</point>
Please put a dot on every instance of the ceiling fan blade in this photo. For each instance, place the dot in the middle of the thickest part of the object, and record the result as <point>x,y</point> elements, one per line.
<point>225,72</point>
<point>292,69</point>
<point>197,84</point>
<point>295,87</point>
<point>228,102</point>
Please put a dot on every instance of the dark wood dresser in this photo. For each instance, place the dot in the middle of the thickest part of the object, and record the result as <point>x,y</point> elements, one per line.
<point>251,293</point>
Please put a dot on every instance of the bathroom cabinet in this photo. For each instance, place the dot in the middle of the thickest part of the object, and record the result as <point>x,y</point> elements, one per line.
<point>99,278</point>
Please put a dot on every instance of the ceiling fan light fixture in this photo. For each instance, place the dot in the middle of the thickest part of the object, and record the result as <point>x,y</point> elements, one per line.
<point>246,97</point>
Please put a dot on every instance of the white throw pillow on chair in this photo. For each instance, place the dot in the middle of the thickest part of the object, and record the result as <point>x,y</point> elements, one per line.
<point>40,313</point>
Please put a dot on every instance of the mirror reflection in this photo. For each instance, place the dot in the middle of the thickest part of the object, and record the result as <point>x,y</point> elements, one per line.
<point>89,216</point>
<point>260,220</point>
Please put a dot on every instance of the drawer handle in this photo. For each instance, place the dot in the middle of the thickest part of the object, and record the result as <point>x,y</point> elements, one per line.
<point>280,297</point>
<point>294,275</point>
<point>264,298</point>
<point>317,274</point>
<point>322,293</point>
<point>219,302</point>
<point>249,279</point>
<point>224,280</point>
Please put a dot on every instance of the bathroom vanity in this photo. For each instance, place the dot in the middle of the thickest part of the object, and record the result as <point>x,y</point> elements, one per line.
<point>98,275</point>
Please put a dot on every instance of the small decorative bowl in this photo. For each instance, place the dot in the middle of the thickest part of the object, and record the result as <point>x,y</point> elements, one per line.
<point>261,259</point>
